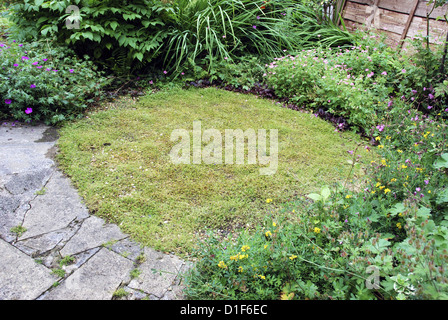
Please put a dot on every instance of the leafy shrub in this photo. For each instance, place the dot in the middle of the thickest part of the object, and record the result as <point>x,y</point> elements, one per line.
<point>176,36</point>
<point>359,83</point>
<point>45,83</point>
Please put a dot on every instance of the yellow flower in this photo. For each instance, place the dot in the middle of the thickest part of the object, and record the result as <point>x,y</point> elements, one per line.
<point>316,230</point>
<point>268,200</point>
<point>388,137</point>
<point>268,233</point>
<point>393,180</point>
<point>383,162</point>
<point>399,225</point>
<point>386,190</point>
<point>240,269</point>
<point>429,191</point>
<point>265,246</point>
<point>222,265</point>
<point>261,276</point>
<point>382,187</point>
<point>235,257</point>
<point>380,146</point>
<point>399,151</point>
<point>244,248</point>
<point>242,256</point>
<point>378,138</point>
<point>400,214</point>
<point>274,224</point>
<point>348,196</point>
<point>292,257</point>
<point>403,166</point>
<point>373,192</point>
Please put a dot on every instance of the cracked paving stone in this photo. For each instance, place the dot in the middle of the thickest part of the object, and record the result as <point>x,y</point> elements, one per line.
<point>94,232</point>
<point>55,209</point>
<point>97,279</point>
<point>21,278</point>
<point>159,273</point>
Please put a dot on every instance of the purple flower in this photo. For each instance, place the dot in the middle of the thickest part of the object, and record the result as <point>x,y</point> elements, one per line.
<point>71,70</point>
<point>39,67</point>
<point>404,70</point>
<point>390,103</point>
<point>35,63</point>
<point>384,73</point>
<point>48,69</point>
<point>16,65</point>
<point>417,189</point>
<point>20,45</point>
<point>380,127</point>
<point>426,181</point>
<point>150,82</point>
<point>8,101</point>
<point>25,58</point>
<point>28,110</point>
<point>44,59</point>
<point>255,27</point>
<point>165,72</point>
<point>429,107</point>
<point>258,17</point>
<point>414,91</point>
<point>350,151</point>
<point>32,86</point>
<point>430,96</point>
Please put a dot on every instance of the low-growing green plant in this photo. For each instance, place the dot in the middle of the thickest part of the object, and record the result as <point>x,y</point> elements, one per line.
<point>42,82</point>
<point>383,238</point>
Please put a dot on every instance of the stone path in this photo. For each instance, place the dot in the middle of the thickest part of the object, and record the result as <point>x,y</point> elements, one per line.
<point>51,248</point>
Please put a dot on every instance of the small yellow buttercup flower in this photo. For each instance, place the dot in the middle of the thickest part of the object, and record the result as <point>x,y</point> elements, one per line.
<point>240,269</point>
<point>399,151</point>
<point>268,234</point>
<point>393,180</point>
<point>399,225</point>
<point>378,138</point>
<point>274,224</point>
<point>292,257</point>
<point>348,196</point>
<point>268,200</point>
<point>316,230</point>
<point>386,190</point>
<point>222,265</point>
<point>244,248</point>
<point>380,146</point>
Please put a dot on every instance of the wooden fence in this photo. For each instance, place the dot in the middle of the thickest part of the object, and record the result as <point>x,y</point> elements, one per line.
<point>398,19</point>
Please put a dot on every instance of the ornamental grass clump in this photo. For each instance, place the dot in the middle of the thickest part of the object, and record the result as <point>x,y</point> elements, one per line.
<point>41,82</point>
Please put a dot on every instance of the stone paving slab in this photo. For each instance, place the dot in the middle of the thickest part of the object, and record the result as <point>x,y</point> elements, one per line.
<point>21,278</point>
<point>36,197</point>
<point>98,279</point>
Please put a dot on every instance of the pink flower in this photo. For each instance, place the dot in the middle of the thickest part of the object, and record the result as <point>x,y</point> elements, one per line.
<point>32,86</point>
<point>71,70</point>
<point>255,27</point>
<point>384,73</point>
<point>165,72</point>
<point>8,101</point>
<point>404,70</point>
<point>28,110</point>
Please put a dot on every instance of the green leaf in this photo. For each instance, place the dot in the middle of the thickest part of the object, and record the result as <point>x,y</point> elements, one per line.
<point>315,196</point>
<point>325,193</point>
<point>441,162</point>
<point>114,25</point>
<point>442,197</point>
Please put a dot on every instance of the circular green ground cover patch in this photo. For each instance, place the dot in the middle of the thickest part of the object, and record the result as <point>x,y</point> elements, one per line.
<point>119,159</point>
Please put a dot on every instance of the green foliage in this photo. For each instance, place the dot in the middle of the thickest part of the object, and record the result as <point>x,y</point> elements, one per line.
<point>42,82</point>
<point>396,227</point>
<point>128,36</point>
